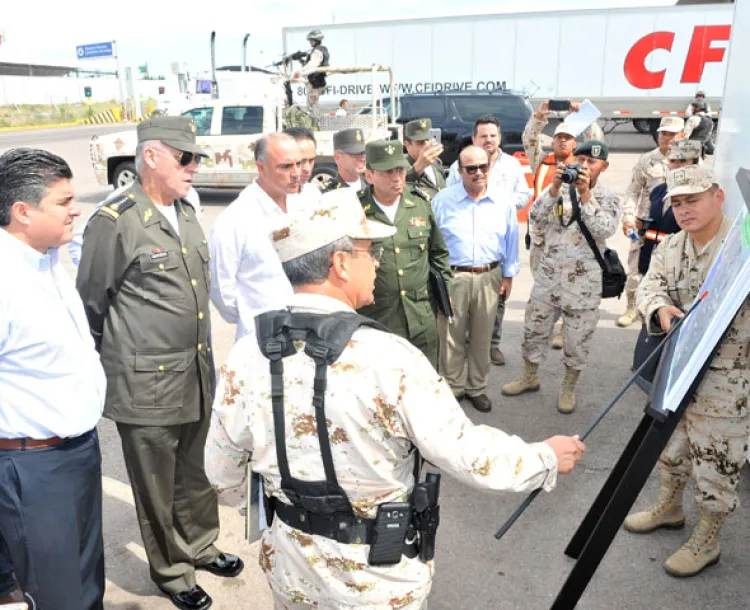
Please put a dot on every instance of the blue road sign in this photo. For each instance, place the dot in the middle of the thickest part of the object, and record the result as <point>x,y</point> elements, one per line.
<point>98,49</point>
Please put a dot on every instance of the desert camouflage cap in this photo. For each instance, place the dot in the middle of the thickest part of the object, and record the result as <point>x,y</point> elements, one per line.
<point>175,131</point>
<point>338,214</point>
<point>673,124</point>
<point>688,180</point>
<point>685,149</point>
<point>418,129</point>
<point>350,141</point>
<point>384,155</point>
<point>596,149</point>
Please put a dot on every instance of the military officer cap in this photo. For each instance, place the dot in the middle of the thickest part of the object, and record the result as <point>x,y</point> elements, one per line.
<point>383,155</point>
<point>688,180</point>
<point>673,124</point>
<point>350,141</point>
<point>685,149</point>
<point>596,149</point>
<point>175,131</point>
<point>338,215</point>
<point>418,130</point>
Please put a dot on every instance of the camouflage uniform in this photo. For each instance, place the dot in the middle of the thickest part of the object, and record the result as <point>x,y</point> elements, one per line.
<point>383,397</point>
<point>649,172</point>
<point>532,145</point>
<point>711,440</point>
<point>568,281</point>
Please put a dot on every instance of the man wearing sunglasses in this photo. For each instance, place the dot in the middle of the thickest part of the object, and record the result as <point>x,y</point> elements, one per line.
<point>144,282</point>
<point>481,231</point>
<point>404,302</point>
<point>349,155</point>
<point>568,283</point>
<point>507,180</point>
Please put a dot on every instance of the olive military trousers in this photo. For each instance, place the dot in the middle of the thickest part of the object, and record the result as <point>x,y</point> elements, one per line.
<point>177,508</point>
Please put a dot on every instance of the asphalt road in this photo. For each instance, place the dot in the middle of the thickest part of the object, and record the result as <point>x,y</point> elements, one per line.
<point>526,569</point>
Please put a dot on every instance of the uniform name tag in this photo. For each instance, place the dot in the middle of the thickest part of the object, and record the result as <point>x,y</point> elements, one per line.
<point>157,255</point>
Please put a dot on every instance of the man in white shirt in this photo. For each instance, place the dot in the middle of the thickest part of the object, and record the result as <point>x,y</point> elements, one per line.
<point>246,274</point>
<point>342,109</point>
<point>52,389</point>
<point>506,180</point>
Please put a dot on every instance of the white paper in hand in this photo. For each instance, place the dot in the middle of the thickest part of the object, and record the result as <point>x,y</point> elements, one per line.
<point>577,122</point>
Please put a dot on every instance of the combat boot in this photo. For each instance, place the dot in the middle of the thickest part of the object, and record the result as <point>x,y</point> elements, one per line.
<point>527,382</point>
<point>566,399</point>
<point>631,313</point>
<point>702,550</point>
<point>557,340</point>
<point>666,513</point>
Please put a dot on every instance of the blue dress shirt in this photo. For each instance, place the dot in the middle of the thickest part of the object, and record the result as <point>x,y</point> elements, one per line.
<point>51,380</point>
<point>478,232</point>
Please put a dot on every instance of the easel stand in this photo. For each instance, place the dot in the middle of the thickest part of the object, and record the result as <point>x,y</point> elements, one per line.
<point>603,520</point>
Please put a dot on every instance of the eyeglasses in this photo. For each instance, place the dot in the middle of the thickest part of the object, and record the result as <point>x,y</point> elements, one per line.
<point>472,169</point>
<point>375,256</point>
<point>184,158</point>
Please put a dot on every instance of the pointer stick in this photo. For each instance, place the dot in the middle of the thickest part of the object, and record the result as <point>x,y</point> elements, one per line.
<point>525,504</point>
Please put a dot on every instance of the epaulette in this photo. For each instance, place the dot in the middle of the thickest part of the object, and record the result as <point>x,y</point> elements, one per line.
<point>117,206</point>
<point>421,193</point>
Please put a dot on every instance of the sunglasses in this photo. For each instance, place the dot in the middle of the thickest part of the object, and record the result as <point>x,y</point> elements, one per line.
<point>472,169</point>
<point>184,158</point>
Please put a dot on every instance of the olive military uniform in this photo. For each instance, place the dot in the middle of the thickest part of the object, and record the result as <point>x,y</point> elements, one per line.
<point>146,294</point>
<point>432,184</point>
<point>403,297</point>
<point>352,142</point>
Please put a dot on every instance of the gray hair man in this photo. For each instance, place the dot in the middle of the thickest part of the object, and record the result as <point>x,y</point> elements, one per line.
<point>246,275</point>
<point>331,256</point>
<point>143,279</point>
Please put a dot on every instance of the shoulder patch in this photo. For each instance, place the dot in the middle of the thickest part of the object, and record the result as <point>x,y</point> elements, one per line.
<point>419,192</point>
<point>115,207</point>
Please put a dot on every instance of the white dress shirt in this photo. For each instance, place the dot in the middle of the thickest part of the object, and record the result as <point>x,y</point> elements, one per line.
<point>506,176</point>
<point>51,380</point>
<point>246,273</point>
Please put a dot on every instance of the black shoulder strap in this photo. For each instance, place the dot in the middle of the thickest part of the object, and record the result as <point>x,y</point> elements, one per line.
<point>585,230</point>
<point>326,336</point>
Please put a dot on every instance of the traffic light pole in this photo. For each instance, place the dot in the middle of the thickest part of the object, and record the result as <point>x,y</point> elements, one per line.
<point>119,75</point>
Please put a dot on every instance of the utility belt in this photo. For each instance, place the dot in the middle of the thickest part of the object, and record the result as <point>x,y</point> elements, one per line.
<point>322,508</point>
<point>341,527</point>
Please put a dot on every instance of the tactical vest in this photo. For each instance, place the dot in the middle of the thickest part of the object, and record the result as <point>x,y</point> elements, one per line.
<point>704,130</point>
<point>321,508</point>
<point>317,79</point>
<point>661,224</point>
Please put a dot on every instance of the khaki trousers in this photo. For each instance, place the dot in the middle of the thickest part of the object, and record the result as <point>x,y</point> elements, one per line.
<point>467,367</point>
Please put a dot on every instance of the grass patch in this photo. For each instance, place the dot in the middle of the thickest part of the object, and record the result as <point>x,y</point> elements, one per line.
<point>35,115</point>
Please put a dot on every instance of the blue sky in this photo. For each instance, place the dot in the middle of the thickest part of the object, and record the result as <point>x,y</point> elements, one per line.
<point>161,33</point>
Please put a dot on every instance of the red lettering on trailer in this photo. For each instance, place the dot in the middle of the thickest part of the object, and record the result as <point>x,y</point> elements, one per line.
<point>699,54</point>
<point>636,71</point>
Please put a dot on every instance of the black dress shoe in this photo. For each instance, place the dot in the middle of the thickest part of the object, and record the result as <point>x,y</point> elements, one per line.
<point>193,599</point>
<point>481,402</point>
<point>224,565</point>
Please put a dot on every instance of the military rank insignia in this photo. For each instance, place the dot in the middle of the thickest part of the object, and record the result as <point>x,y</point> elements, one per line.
<point>417,221</point>
<point>147,215</point>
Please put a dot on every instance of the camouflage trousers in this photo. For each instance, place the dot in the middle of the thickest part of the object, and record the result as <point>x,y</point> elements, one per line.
<point>313,104</point>
<point>634,277</point>
<point>578,326</point>
<point>714,449</point>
